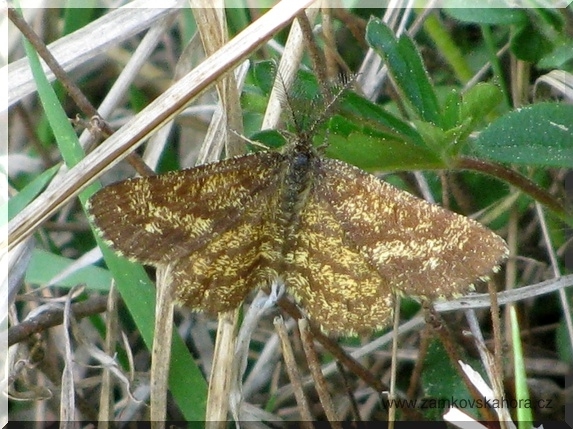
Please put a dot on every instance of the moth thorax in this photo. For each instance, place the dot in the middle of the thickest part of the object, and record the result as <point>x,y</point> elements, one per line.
<point>296,185</point>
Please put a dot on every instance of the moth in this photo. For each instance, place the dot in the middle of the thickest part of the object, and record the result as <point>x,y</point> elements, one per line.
<point>342,241</point>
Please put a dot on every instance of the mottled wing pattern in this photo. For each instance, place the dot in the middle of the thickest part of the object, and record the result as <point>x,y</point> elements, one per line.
<point>329,276</point>
<point>237,261</point>
<point>158,219</point>
<point>416,248</point>
<point>355,242</point>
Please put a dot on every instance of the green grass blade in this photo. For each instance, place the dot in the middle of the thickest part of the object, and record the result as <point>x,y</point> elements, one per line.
<point>186,382</point>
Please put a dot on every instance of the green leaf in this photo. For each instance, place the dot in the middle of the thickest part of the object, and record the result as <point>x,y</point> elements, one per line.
<point>530,45</point>
<point>562,341</point>
<point>405,64</point>
<point>537,37</point>
<point>561,57</point>
<point>483,14</point>
<point>17,203</point>
<point>452,110</point>
<point>264,75</point>
<point>441,381</point>
<point>373,154</point>
<point>377,118</point>
<point>77,14</point>
<point>480,100</point>
<point>363,147</point>
<point>272,139</point>
<point>435,137</point>
<point>541,134</point>
<point>44,266</point>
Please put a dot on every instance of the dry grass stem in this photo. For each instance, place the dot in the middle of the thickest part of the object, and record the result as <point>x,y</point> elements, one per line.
<point>161,350</point>
<point>293,373</point>
<point>314,366</point>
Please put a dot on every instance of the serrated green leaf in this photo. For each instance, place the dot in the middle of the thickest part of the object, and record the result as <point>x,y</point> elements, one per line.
<point>264,75</point>
<point>541,134</point>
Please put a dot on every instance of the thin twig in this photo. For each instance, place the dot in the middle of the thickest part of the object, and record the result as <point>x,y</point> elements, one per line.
<point>316,56</point>
<point>334,348</point>
<point>497,382</point>
<point>349,393</point>
<point>293,373</point>
<point>394,366</point>
<point>55,317</point>
<point>565,303</point>
<point>514,178</point>
<point>314,366</point>
<point>419,365</point>
<point>344,358</point>
<point>162,109</point>
<point>75,93</point>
